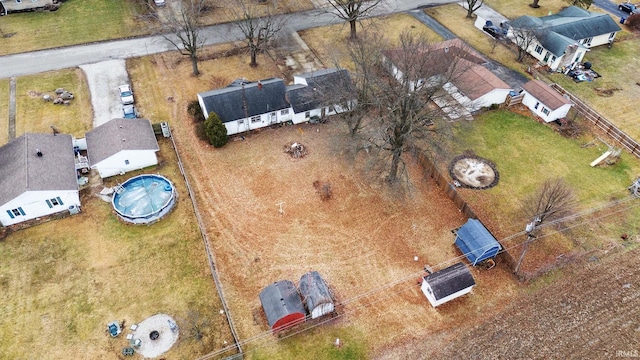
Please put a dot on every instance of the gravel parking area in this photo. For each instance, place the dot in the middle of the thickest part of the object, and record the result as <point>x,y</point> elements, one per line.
<point>156,335</point>
<point>104,78</point>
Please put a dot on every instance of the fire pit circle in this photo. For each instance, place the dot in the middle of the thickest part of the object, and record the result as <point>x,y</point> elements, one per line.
<point>154,335</point>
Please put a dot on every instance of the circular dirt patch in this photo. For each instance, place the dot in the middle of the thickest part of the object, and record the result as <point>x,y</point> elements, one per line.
<point>157,334</point>
<point>473,172</point>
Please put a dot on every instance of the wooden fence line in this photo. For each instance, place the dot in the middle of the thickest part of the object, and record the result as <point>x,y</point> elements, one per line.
<point>210,256</point>
<point>602,123</point>
<point>429,170</point>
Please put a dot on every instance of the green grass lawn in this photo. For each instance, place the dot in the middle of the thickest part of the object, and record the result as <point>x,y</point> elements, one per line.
<point>527,153</point>
<point>4,111</point>
<point>76,22</point>
<point>33,114</point>
<point>63,281</point>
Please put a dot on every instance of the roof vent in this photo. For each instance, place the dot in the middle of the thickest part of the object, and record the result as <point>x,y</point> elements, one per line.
<point>38,152</point>
<point>123,140</point>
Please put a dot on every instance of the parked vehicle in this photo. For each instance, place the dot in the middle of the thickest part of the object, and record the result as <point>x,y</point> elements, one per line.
<point>159,2</point>
<point>129,112</point>
<point>494,31</point>
<point>629,8</point>
<point>126,95</point>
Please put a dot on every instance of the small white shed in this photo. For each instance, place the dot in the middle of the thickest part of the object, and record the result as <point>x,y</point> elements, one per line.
<point>316,295</point>
<point>447,284</point>
<point>545,101</point>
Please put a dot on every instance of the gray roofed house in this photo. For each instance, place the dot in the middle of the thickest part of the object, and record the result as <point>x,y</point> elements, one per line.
<point>447,284</point>
<point>36,170</point>
<point>260,97</point>
<point>565,37</point>
<point>315,89</point>
<point>122,145</point>
<point>544,101</point>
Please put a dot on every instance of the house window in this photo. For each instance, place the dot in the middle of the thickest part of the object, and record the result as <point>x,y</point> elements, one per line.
<point>255,119</point>
<point>54,202</point>
<point>284,112</point>
<point>126,162</point>
<point>537,104</point>
<point>587,41</point>
<point>307,114</point>
<point>15,212</point>
<point>611,36</point>
<point>545,111</point>
<point>539,49</point>
<point>240,121</point>
<point>332,109</point>
<point>553,58</point>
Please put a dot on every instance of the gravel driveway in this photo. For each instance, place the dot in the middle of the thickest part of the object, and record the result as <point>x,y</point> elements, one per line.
<point>104,79</point>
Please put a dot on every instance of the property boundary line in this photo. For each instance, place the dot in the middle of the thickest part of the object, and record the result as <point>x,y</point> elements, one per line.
<point>602,123</point>
<point>429,170</point>
<point>210,256</point>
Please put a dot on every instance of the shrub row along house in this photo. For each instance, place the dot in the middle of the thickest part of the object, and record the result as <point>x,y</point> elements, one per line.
<point>562,39</point>
<point>244,106</point>
<point>40,174</point>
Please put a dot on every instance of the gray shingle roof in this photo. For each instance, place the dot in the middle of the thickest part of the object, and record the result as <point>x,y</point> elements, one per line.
<point>228,102</point>
<point>117,135</point>
<point>450,280</point>
<point>23,170</point>
<point>325,87</point>
<point>556,32</point>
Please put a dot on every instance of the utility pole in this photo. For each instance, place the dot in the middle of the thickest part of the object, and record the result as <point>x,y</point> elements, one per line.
<point>530,237</point>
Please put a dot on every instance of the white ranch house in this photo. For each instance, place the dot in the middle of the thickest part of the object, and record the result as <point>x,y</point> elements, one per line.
<point>244,106</point>
<point>544,101</point>
<point>122,145</point>
<point>564,38</point>
<point>38,177</point>
<point>459,70</point>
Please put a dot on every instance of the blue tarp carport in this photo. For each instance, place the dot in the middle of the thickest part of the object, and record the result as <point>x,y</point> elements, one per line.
<point>476,242</point>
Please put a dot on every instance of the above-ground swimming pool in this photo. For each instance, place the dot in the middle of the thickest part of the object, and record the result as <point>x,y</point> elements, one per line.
<point>144,199</point>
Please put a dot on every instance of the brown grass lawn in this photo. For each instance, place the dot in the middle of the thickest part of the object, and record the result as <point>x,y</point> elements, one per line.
<point>4,111</point>
<point>33,114</point>
<point>63,281</point>
<point>364,237</point>
<point>330,42</point>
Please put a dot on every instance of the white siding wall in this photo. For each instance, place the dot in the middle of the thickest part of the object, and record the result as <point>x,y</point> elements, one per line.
<point>531,102</point>
<point>270,118</point>
<point>425,287</point>
<point>34,204</point>
<point>116,164</point>
<point>498,96</point>
<point>600,40</point>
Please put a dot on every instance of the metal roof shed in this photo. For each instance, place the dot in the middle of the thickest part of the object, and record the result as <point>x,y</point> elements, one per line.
<point>447,284</point>
<point>315,294</point>
<point>476,242</point>
<point>282,305</point>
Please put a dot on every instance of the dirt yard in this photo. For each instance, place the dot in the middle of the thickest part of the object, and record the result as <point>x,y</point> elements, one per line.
<point>361,239</point>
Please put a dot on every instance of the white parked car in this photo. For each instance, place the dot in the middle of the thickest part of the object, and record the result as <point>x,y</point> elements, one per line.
<point>159,2</point>
<point>126,95</point>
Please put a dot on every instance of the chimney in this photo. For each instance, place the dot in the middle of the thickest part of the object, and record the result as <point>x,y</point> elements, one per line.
<point>259,85</point>
<point>38,152</point>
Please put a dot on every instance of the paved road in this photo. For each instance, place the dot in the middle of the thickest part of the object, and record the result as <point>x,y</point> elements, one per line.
<point>611,7</point>
<point>67,57</point>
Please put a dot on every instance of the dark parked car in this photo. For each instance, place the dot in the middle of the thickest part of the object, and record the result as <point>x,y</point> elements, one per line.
<point>629,8</point>
<point>495,31</point>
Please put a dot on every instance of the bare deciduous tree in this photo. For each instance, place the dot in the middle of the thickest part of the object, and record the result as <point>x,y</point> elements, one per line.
<point>472,6</point>
<point>552,202</point>
<point>352,11</point>
<point>259,25</point>
<point>524,37</point>
<point>182,29</point>
<point>403,116</point>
